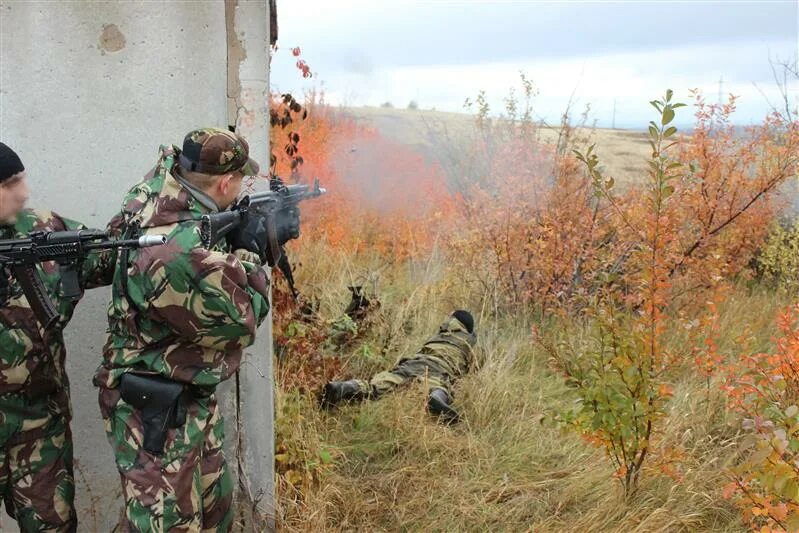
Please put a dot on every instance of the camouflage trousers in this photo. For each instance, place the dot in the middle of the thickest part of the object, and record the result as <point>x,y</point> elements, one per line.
<point>437,372</point>
<point>36,475</point>
<point>186,488</point>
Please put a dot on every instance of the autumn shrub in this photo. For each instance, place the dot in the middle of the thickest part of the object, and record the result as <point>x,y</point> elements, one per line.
<point>686,231</point>
<point>529,225</point>
<point>539,230</point>
<point>777,261</point>
<point>764,389</point>
<point>621,375</point>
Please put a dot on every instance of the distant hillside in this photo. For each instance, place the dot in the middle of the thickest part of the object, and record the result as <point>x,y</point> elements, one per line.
<point>623,152</point>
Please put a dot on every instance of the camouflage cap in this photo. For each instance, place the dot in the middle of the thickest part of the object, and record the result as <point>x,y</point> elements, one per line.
<point>217,151</point>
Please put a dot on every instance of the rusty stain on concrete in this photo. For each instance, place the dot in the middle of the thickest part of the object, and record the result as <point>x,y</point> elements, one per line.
<point>111,39</point>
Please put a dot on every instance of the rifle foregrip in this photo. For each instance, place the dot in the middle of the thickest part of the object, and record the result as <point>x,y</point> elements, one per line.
<point>70,282</point>
<point>36,294</point>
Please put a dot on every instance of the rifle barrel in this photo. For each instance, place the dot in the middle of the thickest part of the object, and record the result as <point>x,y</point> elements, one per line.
<point>144,241</point>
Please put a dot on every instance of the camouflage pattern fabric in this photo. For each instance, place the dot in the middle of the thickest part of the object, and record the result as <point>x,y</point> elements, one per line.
<point>29,359</point>
<point>36,474</point>
<point>188,487</point>
<point>188,312</point>
<point>185,313</point>
<point>443,358</point>
<point>217,151</point>
<point>35,440</point>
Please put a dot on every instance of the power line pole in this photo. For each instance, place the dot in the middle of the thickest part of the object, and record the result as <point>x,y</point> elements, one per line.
<point>614,114</point>
<point>721,86</point>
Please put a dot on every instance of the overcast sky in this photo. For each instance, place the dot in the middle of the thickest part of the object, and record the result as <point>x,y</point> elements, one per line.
<point>439,52</point>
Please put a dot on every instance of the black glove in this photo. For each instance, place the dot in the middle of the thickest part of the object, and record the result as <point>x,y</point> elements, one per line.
<point>5,287</point>
<point>288,224</point>
<point>251,235</point>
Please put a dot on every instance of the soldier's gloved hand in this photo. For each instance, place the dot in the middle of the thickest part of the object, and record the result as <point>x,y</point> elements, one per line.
<point>5,287</point>
<point>288,225</point>
<point>250,235</point>
<point>247,256</point>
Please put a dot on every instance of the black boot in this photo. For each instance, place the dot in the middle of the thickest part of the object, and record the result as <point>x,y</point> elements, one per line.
<point>438,404</point>
<point>336,392</point>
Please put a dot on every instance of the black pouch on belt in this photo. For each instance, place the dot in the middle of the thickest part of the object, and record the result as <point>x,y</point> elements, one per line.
<point>160,402</point>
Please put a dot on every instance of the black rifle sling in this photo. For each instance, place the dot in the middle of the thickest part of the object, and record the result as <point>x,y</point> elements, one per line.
<point>132,231</point>
<point>285,267</point>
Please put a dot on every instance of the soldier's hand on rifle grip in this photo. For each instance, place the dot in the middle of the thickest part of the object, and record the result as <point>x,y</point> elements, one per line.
<point>288,225</point>
<point>70,283</point>
<point>250,235</point>
<point>5,286</point>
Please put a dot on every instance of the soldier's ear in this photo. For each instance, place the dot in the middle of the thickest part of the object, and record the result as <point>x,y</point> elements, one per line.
<point>224,183</point>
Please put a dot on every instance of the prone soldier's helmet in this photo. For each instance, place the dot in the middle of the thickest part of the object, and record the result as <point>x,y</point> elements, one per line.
<point>464,318</point>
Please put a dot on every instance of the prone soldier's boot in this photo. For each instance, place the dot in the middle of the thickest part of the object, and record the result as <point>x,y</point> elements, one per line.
<point>336,392</point>
<point>439,405</point>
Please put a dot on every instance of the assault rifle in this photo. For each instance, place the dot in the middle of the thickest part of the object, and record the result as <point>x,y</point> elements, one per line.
<point>68,249</point>
<point>278,207</point>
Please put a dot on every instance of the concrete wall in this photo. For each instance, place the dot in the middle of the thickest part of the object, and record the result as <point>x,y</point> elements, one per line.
<point>88,91</point>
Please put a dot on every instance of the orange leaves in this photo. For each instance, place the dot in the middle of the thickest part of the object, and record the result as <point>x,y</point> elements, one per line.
<point>727,194</point>
<point>528,232</point>
<point>762,379</point>
<point>764,388</point>
<point>729,490</point>
<point>706,333</point>
<point>665,390</point>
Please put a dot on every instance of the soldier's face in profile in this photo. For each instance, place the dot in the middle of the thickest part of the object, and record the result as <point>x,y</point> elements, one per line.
<point>13,195</point>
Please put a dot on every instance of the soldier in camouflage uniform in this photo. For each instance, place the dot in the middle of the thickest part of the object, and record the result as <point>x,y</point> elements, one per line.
<point>179,319</point>
<point>442,359</point>
<point>36,477</point>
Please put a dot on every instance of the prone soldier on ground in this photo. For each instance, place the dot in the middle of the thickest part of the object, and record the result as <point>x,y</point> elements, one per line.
<point>442,359</point>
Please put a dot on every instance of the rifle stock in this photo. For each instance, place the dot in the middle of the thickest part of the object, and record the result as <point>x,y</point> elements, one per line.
<point>214,227</point>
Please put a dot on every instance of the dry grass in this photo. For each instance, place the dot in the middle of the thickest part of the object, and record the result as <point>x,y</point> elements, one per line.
<point>502,469</point>
<point>505,468</point>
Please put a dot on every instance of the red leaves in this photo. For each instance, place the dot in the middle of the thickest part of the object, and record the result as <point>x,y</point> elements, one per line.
<point>284,112</point>
<point>303,67</point>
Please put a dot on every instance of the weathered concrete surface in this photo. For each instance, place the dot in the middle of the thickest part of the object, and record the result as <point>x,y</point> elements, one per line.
<point>88,91</point>
<point>256,425</point>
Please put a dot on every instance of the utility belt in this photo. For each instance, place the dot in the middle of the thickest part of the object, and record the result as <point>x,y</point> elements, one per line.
<point>161,403</point>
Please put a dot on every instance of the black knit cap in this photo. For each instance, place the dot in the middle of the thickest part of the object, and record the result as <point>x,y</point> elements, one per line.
<point>10,163</point>
<point>465,318</point>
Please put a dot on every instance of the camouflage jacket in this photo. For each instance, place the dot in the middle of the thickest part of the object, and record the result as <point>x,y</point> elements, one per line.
<point>183,312</point>
<point>454,343</point>
<point>30,359</point>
